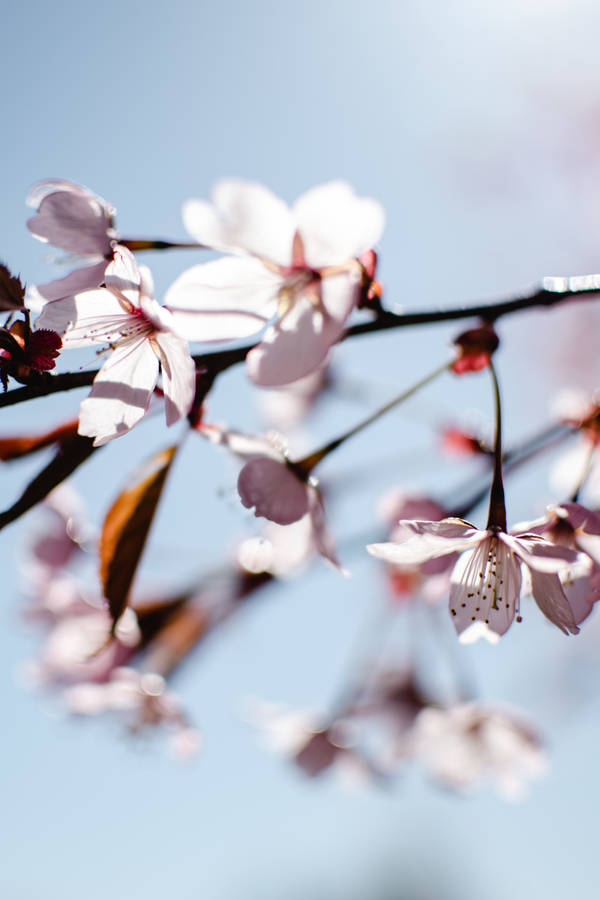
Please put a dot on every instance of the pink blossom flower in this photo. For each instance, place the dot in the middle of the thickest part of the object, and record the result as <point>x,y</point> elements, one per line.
<point>139,331</point>
<point>486,580</point>
<point>73,218</point>
<point>572,525</point>
<point>276,489</point>
<point>300,265</point>
<point>464,743</point>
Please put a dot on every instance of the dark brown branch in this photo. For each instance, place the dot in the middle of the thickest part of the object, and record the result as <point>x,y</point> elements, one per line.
<point>219,360</point>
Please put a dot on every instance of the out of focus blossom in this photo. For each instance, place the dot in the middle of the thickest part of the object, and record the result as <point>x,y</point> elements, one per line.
<point>486,580</point>
<point>139,331</point>
<point>431,578</point>
<point>461,745</point>
<point>274,486</point>
<point>299,266</point>
<point>71,217</point>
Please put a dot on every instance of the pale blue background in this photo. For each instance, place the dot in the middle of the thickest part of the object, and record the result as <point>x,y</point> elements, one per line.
<point>478,126</point>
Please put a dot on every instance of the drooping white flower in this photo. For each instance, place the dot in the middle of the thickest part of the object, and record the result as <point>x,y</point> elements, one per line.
<point>125,316</point>
<point>299,265</point>
<point>486,580</point>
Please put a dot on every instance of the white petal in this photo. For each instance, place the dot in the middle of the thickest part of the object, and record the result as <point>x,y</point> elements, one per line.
<point>340,295</point>
<point>540,554</point>
<point>121,392</point>
<point>429,540</point>
<point>246,445</point>
<point>549,596</point>
<point>245,217</point>
<point>123,276</point>
<point>92,317</point>
<point>224,299</point>
<point>178,375</point>
<point>293,347</point>
<point>485,587</point>
<point>336,225</point>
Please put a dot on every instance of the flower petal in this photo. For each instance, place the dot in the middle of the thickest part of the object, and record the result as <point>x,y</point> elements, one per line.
<point>538,553</point>
<point>121,392</point>
<point>336,225</point>
<point>549,596</point>
<point>92,317</point>
<point>225,299</point>
<point>123,276</point>
<point>429,540</point>
<point>245,217</point>
<point>83,279</point>
<point>293,347</point>
<point>322,538</point>
<point>484,588</point>
<point>178,374</point>
<point>274,490</point>
<point>74,219</point>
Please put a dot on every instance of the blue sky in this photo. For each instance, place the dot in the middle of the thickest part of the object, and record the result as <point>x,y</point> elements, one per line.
<point>477,127</point>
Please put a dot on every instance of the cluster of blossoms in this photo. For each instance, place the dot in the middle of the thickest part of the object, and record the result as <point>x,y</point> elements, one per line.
<point>289,279</point>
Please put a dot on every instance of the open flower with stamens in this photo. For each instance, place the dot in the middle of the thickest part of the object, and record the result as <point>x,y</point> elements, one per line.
<point>75,219</point>
<point>125,316</point>
<point>486,580</point>
<point>300,266</point>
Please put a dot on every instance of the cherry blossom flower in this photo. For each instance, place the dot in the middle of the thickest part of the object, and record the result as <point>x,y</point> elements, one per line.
<point>139,331</point>
<point>462,744</point>
<point>277,490</point>
<point>299,265</point>
<point>572,525</point>
<point>486,579</point>
<point>75,219</point>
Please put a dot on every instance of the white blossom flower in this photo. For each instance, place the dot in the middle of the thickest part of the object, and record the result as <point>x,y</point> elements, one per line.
<point>486,580</point>
<point>299,265</point>
<point>125,316</point>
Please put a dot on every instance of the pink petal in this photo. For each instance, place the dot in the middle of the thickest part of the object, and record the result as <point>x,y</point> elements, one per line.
<point>245,217</point>
<point>91,317</point>
<point>82,279</point>
<point>579,517</point>
<point>123,276</point>
<point>549,596</point>
<point>73,219</point>
<point>274,490</point>
<point>294,347</point>
<point>322,538</point>
<point>225,299</point>
<point>121,392</point>
<point>178,374</point>
<point>336,225</point>
<point>582,590</point>
<point>429,540</point>
<point>540,554</point>
<point>485,588</point>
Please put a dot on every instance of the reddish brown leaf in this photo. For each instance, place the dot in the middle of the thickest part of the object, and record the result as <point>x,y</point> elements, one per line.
<point>22,445</point>
<point>12,292</point>
<point>126,528</point>
<point>72,452</point>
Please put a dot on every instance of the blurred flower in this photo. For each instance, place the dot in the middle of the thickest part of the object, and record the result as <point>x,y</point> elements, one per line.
<point>300,265</point>
<point>462,744</point>
<point>73,218</point>
<point>486,579</point>
<point>139,331</point>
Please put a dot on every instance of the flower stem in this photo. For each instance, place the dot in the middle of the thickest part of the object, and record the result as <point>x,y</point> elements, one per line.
<point>138,244</point>
<point>585,473</point>
<point>307,464</point>
<point>497,513</point>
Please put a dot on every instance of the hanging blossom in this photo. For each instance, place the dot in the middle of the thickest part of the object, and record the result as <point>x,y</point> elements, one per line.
<point>485,584</point>
<point>75,219</point>
<point>301,266</point>
<point>140,333</point>
<point>277,490</point>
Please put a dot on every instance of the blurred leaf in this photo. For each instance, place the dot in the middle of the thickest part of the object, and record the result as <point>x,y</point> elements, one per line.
<point>126,528</point>
<point>12,291</point>
<point>71,453</point>
<point>22,445</point>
